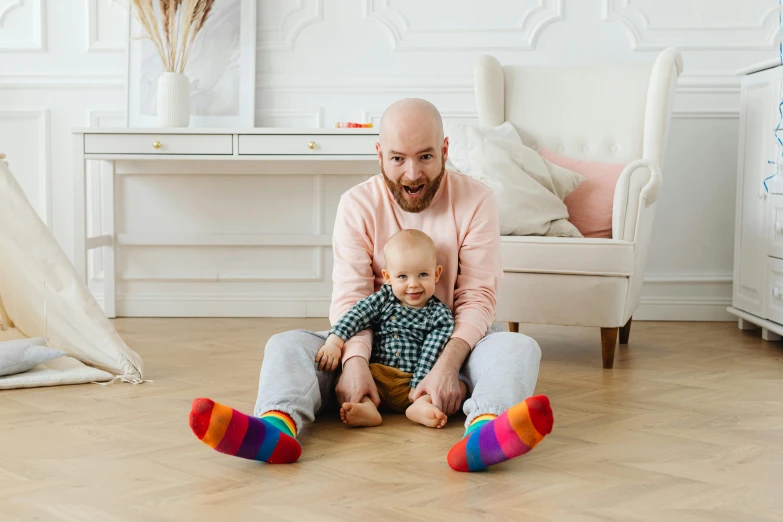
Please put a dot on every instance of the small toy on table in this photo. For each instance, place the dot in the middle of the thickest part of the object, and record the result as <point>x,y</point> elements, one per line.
<point>352,125</point>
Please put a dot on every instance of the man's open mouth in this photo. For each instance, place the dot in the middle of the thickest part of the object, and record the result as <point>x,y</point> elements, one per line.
<point>413,191</point>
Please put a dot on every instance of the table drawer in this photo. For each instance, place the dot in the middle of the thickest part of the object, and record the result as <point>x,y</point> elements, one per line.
<point>167,144</point>
<point>307,144</point>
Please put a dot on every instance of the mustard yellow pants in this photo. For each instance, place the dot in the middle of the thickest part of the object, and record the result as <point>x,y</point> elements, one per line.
<point>393,384</point>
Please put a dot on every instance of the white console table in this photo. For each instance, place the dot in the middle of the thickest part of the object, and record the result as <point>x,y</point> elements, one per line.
<point>205,151</point>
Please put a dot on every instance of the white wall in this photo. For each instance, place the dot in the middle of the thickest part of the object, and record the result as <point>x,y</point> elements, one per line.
<point>62,65</point>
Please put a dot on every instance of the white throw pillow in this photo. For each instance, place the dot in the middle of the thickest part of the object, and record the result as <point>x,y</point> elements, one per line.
<point>22,355</point>
<point>529,190</point>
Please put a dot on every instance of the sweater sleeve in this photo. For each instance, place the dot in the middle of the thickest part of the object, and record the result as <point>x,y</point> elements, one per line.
<point>480,271</point>
<point>352,276</point>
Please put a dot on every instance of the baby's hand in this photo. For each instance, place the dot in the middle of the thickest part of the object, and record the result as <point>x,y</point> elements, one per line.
<point>329,355</point>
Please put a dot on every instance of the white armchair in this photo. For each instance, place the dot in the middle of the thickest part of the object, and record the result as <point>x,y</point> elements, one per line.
<point>609,113</point>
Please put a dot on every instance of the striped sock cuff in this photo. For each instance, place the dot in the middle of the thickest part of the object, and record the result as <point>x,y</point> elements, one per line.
<point>479,421</point>
<point>281,421</point>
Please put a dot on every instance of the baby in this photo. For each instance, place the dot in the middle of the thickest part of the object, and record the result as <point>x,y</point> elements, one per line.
<point>410,328</point>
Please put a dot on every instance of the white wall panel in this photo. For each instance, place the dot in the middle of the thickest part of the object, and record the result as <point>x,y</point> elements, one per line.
<point>62,65</point>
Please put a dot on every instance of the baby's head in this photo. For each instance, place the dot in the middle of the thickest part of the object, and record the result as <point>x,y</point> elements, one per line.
<point>411,267</point>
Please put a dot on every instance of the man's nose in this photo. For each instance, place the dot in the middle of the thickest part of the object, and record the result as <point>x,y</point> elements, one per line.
<point>412,170</point>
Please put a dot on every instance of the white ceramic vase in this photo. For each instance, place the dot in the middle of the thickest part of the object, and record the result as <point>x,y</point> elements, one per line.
<point>173,100</point>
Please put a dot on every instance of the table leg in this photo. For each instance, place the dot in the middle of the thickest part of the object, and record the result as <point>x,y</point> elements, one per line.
<point>79,208</point>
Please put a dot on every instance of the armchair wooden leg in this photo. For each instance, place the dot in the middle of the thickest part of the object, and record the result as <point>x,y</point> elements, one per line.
<point>513,327</point>
<point>608,343</point>
<point>625,332</point>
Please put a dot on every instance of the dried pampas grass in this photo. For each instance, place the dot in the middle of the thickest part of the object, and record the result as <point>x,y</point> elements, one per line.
<point>173,27</point>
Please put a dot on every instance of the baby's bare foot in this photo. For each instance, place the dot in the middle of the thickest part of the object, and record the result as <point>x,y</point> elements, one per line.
<point>360,414</point>
<point>425,413</point>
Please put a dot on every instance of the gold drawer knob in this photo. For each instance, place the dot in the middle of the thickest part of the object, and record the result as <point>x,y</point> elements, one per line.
<point>156,144</point>
<point>311,145</point>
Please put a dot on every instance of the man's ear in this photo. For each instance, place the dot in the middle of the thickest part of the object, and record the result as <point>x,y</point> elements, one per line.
<point>445,149</point>
<point>438,271</point>
<point>386,276</point>
<point>379,151</point>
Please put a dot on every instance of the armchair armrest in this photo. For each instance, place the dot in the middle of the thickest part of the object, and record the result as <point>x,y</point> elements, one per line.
<point>638,187</point>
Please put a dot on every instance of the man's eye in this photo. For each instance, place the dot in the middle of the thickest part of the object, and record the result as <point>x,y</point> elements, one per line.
<point>427,157</point>
<point>396,158</point>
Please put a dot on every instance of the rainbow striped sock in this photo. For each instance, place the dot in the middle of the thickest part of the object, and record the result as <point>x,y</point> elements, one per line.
<point>515,432</point>
<point>269,438</point>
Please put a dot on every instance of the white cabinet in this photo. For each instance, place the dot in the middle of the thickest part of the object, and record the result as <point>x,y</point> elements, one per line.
<point>758,240</point>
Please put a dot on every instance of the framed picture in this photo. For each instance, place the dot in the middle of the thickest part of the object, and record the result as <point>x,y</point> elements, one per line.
<point>221,69</point>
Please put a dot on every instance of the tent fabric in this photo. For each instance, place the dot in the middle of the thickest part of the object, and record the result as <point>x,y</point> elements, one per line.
<point>42,295</point>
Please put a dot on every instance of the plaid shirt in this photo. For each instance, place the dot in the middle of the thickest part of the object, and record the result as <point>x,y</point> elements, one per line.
<point>410,339</point>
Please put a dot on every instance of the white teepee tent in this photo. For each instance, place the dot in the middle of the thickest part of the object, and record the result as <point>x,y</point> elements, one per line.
<point>41,295</point>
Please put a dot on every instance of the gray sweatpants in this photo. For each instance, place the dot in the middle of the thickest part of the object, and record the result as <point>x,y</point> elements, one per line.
<point>500,372</point>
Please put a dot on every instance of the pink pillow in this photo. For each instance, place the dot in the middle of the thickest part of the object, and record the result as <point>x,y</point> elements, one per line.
<point>590,204</point>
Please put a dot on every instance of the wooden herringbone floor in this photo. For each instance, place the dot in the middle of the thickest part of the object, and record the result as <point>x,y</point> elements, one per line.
<point>688,426</point>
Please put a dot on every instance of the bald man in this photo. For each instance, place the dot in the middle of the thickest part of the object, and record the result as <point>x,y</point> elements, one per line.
<point>413,191</point>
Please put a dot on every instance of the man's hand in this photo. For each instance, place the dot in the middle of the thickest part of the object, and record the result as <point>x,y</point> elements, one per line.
<point>356,381</point>
<point>442,383</point>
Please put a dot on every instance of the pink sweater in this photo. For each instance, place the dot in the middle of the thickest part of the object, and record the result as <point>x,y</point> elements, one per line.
<point>463,223</point>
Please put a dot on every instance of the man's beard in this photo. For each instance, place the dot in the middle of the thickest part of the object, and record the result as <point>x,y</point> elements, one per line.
<point>422,202</point>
